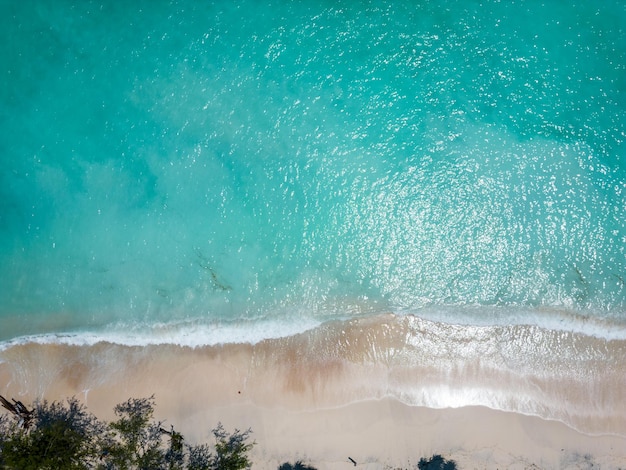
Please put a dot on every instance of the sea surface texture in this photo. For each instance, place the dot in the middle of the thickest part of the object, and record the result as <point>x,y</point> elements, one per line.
<point>224,162</point>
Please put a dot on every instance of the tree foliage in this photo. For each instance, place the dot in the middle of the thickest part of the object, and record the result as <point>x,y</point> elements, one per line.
<point>65,436</point>
<point>135,440</point>
<point>231,450</point>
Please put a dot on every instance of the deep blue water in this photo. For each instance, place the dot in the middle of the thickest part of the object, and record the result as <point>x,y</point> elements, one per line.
<point>278,165</point>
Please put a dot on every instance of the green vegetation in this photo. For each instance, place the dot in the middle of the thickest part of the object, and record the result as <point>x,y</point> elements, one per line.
<point>60,436</point>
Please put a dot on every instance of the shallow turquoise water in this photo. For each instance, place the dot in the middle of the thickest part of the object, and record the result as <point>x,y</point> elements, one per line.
<point>208,162</point>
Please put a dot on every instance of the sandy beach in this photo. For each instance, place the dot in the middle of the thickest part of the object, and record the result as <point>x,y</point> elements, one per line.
<point>385,434</point>
<point>369,231</point>
<point>307,398</point>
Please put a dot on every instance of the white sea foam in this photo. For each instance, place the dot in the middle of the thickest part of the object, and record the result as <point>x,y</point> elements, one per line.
<point>189,334</point>
<point>548,318</point>
<point>199,333</point>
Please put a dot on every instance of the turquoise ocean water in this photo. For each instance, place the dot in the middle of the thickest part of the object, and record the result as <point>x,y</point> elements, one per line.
<point>202,172</point>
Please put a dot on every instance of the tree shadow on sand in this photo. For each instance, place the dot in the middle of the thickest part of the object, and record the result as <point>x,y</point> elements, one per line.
<point>436,462</point>
<point>296,466</point>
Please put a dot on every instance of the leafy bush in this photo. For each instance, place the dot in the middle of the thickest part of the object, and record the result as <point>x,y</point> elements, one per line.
<point>231,449</point>
<point>64,436</point>
<point>135,440</point>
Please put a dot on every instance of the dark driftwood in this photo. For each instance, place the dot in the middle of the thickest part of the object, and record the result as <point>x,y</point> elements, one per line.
<point>19,410</point>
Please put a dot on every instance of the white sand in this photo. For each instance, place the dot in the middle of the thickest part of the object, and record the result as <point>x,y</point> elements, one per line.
<point>386,434</point>
<point>297,413</point>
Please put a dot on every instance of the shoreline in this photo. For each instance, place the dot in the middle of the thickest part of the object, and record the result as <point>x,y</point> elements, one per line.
<point>384,391</point>
<point>195,333</point>
<point>564,376</point>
